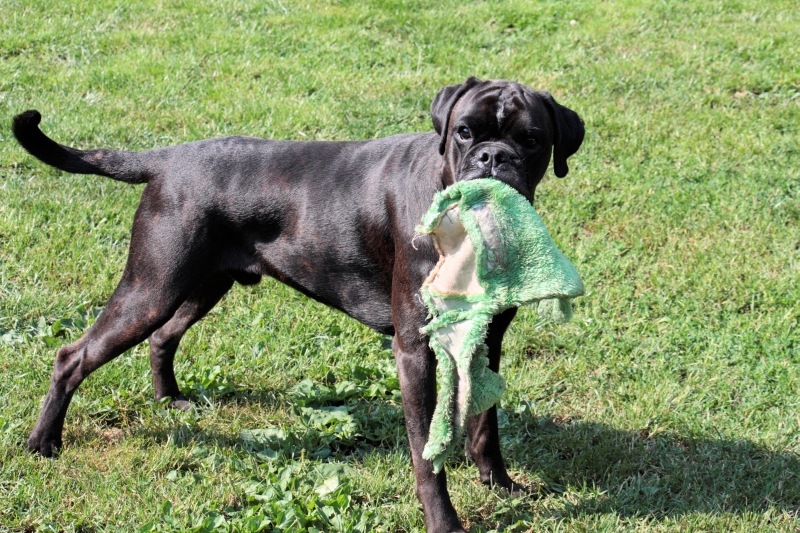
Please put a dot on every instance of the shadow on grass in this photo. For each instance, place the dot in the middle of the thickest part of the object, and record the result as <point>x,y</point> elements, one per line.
<point>638,474</point>
<point>605,470</point>
<point>328,429</point>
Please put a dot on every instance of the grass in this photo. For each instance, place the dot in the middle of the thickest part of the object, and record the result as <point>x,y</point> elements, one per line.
<point>669,404</point>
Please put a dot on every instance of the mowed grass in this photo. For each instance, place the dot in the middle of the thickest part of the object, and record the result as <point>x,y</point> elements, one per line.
<point>670,403</point>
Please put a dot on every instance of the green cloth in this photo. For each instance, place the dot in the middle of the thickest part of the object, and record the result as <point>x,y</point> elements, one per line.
<point>495,254</point>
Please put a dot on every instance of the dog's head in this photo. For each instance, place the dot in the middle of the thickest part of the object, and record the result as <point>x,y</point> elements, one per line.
<point>501,129</point>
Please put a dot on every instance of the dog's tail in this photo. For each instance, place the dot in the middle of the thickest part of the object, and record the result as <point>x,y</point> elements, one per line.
<point>129,167</point>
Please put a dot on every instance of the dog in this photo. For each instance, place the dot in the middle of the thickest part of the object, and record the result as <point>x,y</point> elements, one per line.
<point>334,220</point>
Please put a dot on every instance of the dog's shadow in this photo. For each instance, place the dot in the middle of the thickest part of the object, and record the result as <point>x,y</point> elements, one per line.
<point>662,475</point>
<point>384,432</point>
<point>590,468</point>
<point>631,473</point>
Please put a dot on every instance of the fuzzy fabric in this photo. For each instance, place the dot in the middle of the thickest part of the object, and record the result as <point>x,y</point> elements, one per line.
<point>495,253</point>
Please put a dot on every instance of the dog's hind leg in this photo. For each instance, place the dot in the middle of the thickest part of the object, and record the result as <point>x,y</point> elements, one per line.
<point>483,439</point>
<point>132,314</point>
<point>164,341</point>
<point>150,292</point>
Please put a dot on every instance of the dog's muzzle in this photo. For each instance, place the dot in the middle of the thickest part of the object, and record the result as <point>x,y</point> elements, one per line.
<point>498,161</point>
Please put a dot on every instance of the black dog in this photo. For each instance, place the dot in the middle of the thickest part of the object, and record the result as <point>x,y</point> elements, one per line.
<point>334,220</point>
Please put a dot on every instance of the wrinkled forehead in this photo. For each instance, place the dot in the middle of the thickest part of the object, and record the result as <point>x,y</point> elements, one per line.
<point>504,106</point>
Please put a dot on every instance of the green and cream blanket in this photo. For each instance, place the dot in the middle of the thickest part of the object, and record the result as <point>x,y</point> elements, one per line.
<point>495,253</point>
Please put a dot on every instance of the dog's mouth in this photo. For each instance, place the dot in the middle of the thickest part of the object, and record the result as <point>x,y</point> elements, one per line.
<point>511,177</point>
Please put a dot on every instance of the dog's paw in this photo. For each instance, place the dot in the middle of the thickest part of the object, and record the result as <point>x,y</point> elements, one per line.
<point>44,445</point>
<point>451,529</point>
<point>515,490</point>
<point>181,403</point>
<point>507,486</point>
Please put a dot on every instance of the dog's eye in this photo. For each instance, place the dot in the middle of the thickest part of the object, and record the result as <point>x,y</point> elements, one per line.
<point>464,133</point>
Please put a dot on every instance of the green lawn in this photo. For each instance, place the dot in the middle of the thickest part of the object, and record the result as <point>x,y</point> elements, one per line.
<point>670,403</point>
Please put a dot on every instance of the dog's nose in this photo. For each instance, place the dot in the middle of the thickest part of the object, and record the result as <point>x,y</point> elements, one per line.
<point>492,157</point>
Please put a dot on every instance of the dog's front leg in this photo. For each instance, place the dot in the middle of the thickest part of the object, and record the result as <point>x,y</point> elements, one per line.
<point>483,438</point>
<point>416,365</point>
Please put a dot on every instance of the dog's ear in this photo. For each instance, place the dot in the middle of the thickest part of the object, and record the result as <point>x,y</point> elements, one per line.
<point>568,135</point>
<point>443,104</point>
